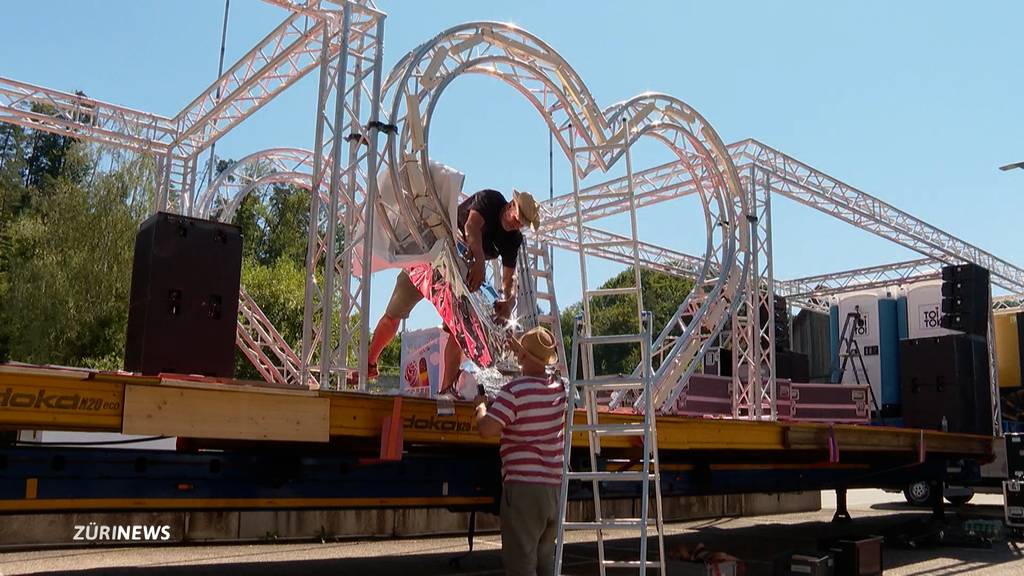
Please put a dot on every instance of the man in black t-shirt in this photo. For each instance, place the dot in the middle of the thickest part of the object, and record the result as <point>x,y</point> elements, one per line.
<point>490,226</point>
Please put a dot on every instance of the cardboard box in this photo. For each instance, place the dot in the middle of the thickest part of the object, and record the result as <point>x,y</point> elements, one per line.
<point>421,362</point>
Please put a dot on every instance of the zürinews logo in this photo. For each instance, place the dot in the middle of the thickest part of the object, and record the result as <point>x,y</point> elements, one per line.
<point>93,532</point>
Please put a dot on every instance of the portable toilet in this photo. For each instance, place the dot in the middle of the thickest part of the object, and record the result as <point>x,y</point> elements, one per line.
<point>924,308</point>
<point>877,336</point>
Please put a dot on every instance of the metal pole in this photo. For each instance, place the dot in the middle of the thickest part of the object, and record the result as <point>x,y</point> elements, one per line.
<point>334,184</point>
<point>634,242</point>
<point>371,201</point>
<point>588,349</point>
<point>753,305</point>
<point>313,246</point>
<point>220,72</point>
<point>770,277</point>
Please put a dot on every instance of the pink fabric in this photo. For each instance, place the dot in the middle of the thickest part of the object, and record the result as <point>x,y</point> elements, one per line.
<point>456,313</point>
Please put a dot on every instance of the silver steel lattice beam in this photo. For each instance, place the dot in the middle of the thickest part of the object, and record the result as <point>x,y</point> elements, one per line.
<point>49,110</point>
<point>886,275</point>
<point>811,187</point>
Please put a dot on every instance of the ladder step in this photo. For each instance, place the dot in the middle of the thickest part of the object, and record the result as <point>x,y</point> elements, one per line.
<point>541,274</point>
<point>536,251</point>
<point>631,564</point>
<point>612,339</point>
<point>610,523</point>
<point>611,291</point>
<point>615,382</point>
<point>612,429</point>
<point>546,318</point>
<point>610,476</point>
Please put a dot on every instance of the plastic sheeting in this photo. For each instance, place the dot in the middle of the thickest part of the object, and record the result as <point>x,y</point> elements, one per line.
<point>402,251</point>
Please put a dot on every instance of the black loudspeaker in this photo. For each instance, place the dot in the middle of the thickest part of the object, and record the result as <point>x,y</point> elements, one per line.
<point>184,297</point>
<point>945,384</point>
<point>965,299</point>
<point>782,322</point>
<point>792,366</point>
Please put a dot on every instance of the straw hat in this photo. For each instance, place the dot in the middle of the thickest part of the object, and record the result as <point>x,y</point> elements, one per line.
<point>539,345</point>
<point>529,210</point>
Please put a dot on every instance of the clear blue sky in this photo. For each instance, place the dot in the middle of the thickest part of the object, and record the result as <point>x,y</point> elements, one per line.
<point>914,102</point>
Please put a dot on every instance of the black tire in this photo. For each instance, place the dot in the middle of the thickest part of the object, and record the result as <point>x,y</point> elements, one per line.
<point>918,494</point>
<point>959,500</point>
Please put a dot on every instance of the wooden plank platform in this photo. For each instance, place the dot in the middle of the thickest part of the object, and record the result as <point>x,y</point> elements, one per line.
<point>73,399</point>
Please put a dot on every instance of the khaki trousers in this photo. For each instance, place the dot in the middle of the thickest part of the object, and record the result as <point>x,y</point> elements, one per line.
<point>529,523</point>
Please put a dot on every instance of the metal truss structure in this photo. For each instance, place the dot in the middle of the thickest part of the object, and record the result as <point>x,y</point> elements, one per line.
<point>343,40</point>
<point>593,139</point>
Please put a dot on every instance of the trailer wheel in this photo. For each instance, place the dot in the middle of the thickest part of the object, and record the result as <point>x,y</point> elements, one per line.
<point>918,493</point>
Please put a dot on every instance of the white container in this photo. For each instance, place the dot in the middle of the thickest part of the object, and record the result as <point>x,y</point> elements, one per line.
<point>924,308</point>
<point>867,337</point>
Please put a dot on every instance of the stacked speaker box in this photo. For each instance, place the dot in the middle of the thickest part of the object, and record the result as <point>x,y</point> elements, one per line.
<point>792,366</point>
<point>965,299</point>
<point>945,384</point>
<point>782,322</point>
<point>184,297</point>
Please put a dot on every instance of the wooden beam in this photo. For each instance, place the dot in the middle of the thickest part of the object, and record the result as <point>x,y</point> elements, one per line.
<point>230,413</point>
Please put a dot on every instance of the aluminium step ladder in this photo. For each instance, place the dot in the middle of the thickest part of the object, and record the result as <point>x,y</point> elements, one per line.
<point>849,351</point>
<point>649,472</point>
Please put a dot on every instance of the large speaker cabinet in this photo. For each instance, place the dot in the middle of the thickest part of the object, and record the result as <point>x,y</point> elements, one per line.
<point>184,297</point>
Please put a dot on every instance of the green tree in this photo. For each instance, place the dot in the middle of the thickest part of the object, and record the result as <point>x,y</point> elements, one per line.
<point>662,295</point>
<point>70,261</point>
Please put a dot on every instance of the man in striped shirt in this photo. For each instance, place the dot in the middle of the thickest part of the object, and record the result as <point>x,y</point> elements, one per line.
<point>529,415</point>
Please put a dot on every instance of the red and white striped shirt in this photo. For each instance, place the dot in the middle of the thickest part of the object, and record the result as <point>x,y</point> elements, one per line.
<point>532,411</point>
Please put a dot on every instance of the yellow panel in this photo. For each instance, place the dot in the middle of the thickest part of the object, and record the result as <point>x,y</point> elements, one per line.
<point>1007,350</point>
<point>49,400</point>
<point>225,413</point>
<point>83,400</point>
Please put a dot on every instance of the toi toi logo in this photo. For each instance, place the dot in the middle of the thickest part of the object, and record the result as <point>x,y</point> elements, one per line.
<point>93,532</point>
<point>928,317</point>
<point>861,327</point>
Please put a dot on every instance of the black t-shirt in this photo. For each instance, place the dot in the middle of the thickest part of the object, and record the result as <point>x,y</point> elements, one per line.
<point>495,239</point>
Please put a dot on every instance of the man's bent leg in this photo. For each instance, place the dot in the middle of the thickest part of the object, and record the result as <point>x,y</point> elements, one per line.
<point>385,331</point>
<point>404,298</point>
<point>452,362</point>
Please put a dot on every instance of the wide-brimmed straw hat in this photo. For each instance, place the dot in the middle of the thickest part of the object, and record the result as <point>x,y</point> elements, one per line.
<point>539,345</point>
<point>529,210</point>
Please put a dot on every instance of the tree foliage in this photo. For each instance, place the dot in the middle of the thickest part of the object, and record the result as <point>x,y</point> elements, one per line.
<point>662,294</point>
<point>69,213</point>
<point>66,251</point>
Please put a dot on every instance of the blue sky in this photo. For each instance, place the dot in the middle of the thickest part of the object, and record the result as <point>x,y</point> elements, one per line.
<point>917,103</point>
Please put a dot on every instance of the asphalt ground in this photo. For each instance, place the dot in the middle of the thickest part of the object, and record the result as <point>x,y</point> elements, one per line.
<point>761,542</point>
